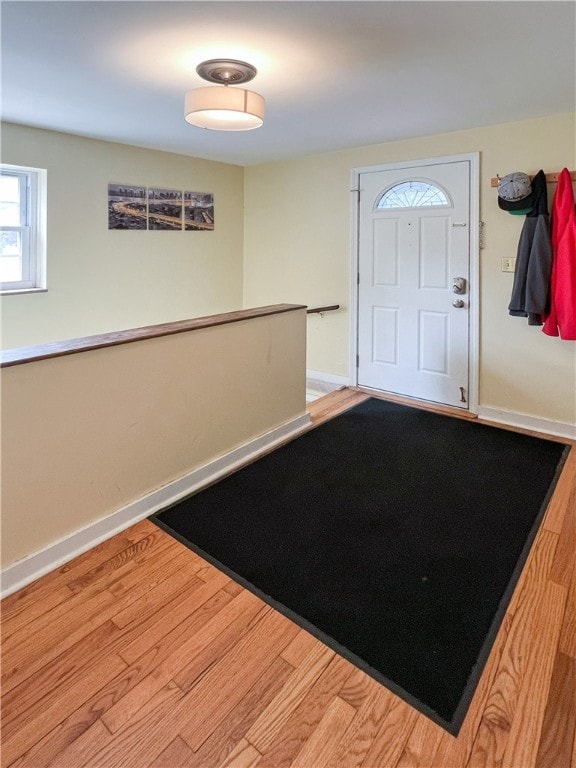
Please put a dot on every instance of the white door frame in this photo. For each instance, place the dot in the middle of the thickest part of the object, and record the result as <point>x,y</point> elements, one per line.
<point>474,311</point>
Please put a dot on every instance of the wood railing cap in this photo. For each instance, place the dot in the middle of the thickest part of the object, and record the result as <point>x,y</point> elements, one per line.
<point>20,355</point>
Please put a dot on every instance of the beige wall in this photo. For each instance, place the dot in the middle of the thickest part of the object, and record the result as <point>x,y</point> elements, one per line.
<point>101,280</point>
<point>297,249</point>
<point>85,434</point>
<point>291,245</point>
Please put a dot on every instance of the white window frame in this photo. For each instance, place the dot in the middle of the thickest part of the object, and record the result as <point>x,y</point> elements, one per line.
<point>32,229</point>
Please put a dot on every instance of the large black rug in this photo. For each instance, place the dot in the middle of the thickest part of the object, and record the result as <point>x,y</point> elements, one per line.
<point>393,534</point>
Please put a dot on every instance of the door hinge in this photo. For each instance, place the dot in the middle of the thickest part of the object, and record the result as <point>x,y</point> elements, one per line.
<point>462,395</point>
<point>357,360</point>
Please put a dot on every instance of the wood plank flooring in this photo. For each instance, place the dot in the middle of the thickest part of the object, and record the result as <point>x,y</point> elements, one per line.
<point>139,653</point>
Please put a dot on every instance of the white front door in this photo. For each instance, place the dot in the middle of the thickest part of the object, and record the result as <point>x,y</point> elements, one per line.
<point>414,254</point>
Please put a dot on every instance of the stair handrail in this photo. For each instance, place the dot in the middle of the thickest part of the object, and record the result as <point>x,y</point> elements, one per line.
<point>320,310</point>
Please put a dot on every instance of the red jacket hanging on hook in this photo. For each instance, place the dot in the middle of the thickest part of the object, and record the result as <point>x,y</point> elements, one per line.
<point>562,318</point>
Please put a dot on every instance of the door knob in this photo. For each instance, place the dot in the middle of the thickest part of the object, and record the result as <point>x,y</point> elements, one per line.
<point>458,303</point>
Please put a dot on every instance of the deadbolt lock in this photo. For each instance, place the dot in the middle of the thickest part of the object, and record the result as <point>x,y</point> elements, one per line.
<point>459,285</point>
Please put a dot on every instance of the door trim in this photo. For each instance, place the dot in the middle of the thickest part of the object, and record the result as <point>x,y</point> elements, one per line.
<point>474,313</point>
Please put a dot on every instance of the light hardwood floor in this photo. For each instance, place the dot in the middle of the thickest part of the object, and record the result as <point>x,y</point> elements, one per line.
<point>138,653</point>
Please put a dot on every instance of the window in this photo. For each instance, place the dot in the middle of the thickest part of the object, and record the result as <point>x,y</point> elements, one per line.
<point>22,228</point>
<point>412,194</point>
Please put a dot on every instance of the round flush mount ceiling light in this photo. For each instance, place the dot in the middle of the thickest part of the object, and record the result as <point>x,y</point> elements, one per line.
<point>221,107</point>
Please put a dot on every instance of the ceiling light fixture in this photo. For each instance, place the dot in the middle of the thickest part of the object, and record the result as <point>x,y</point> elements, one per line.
<point>224,108</point>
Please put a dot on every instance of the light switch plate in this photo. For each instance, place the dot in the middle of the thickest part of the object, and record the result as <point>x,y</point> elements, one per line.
<point>509,264</point>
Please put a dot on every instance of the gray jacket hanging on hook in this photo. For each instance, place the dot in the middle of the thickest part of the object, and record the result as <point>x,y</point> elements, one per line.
<point>531,287</point>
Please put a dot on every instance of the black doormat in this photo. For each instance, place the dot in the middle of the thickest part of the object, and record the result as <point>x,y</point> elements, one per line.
<point>393,534</point>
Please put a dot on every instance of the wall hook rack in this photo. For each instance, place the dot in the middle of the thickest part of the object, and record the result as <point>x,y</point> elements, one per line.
<point>551,178</point>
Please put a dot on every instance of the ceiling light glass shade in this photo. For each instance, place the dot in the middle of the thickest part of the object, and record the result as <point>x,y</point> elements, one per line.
<point>222,108</point>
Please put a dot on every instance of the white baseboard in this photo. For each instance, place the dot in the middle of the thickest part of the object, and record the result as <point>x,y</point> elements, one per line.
<point>328,378</point>
<point>523,420</point>
<point>29,569</point>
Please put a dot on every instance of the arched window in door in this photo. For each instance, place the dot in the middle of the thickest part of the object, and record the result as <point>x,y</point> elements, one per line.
<point>413,194</point>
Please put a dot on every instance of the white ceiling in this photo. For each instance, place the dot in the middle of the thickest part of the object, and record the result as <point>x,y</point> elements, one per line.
<point>335,74</point>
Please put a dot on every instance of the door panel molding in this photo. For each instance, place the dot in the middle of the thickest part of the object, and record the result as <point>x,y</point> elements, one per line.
<point>417,167</point>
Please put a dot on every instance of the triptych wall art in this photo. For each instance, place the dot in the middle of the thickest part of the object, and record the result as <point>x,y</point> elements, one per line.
<point>132,207</point>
